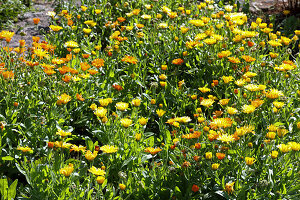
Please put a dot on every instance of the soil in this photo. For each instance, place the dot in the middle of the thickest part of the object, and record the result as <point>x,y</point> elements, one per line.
<point>24,29</point>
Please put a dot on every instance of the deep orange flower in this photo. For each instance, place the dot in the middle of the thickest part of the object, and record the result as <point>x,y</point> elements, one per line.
<point>195,188</point>
<point>220,156</point>
<point>36,20</point>
<point>178,61</point>
<point>98,62</point>
<point>84,66</point>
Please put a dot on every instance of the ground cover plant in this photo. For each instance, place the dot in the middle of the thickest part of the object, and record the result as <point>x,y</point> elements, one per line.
<point>150,100</point>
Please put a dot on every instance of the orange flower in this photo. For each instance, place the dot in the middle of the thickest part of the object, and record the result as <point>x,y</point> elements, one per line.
<point>93,72</point>
<point>79,97</point>
<point>8,74</point>
<point>67,78</point>
<point>195,188</point>
<point>84,66</point>
<point>178,61</point>
<point>220,156</point>
<point>152,150</point>
<point>234,60</point>
<point>36,20</point>
<point>248,58</point>
<point>129,59</point>
<point>98,62</point>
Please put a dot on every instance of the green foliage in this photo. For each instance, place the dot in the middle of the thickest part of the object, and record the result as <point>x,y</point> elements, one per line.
<point>9,10</point>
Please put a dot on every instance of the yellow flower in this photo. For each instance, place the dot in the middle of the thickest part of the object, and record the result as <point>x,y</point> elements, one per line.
<point>122,186</point>
<point>143,121</point>
<point>229,188</point>
<point>109,149</point>
<point>224,102</point>
<point>294,146</point>
<point>278,104</point>
<point>248,109</point>
<point>207,102</point>
<point>249,161</point>
<point>226,138</point>
<point>66,171</point>
<point>100,179</point>
<point>100,112</point>
<point>71,44</point>
<point>160,112</point>
<point>274,94</point>
<point>274,154</point>
<point>204,89</point>
<point>125,122</point>
<point>25,149</point>
<point>271,135</point>
<point>63,99</point>
<point>146,17</point>
<point>104,102</point>
<point>208,155</point>
<point>97,171</point>
<point>55,28</point>
<point>83,8</point>
<point>163,25</point>
<point>136,102</point>
<point>63,133</point>
<point>122,106</point>
<point>215,166</point>
<point>138,136</point>
<point>284,148</point>
<point>90,156</point>
<point>231,110</point>
<point>87,30</point>
<point>227,79</point>
<point>152,150</point>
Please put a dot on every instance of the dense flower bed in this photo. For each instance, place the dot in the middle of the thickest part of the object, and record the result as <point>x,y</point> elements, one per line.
<point>151,100</point>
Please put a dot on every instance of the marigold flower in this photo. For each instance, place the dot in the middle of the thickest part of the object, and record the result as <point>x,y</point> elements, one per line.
<point>208,155</point>
<point>152,150</point>
<point>143,121</point>
<point>226,138</point>
<point>63,99</point>
<point>195,188</point>
<point>160,112</point>
<point>55,28</point>
<point>274,94</point>
<point>215,166</point>
<point>66,171</point>
<point>100,179</point>
<point>122,186</point>
<point>178,61</point>
<point>90,156</point>
<point>25,149</point>
<point>227,79</point>
<point>136,102</point>
<point>100,112</point>
<point>229,188</point>
<point>130,59</point>
<point>248,109</point>
<point>109,149</point>
<point>249,161</point>
<point>207,102</point>
<point>122,106</point>
<point>220,156</point>
<point>36,20</point>
<point>71,44</point>
<point>97,171</point>
<point>274,154</point>
<point>63,133</point>
<point>125,122</point>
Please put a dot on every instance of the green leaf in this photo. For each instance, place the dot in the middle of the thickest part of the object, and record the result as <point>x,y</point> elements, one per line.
<point>3,188</point>
<point>12,190</point>
<point>7,158</point>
